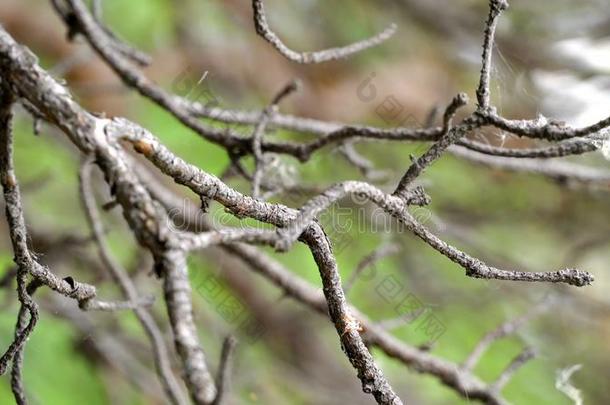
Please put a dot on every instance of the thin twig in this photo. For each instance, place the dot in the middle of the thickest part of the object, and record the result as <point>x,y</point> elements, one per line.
<point>224,369</point>
<point>518,362</point>
<point>500,332</point>
<point>450,135</point>
<point>378,254</point>
<point>259,131</point>
<point>495,9</point>
<point>262,29</point>
<point>18,234</point>
<point>161,355</point>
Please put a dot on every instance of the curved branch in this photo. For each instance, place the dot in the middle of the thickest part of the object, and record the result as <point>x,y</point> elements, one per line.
<point>263,30</point>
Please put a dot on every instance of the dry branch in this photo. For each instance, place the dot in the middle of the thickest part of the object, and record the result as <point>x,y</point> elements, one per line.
<point>145,210</point>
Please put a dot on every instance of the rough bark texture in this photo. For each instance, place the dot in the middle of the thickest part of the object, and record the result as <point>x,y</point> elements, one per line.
<point>145,205</point>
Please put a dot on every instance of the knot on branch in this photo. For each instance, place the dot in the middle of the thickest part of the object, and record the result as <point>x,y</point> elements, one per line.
<point>417,196</point>
<point>368,386</point>
<point>9,181</point>
<point>499,5</point>
<point>84,294</point>
<point>576,277</point>
<point>461,99</point>
<point>71,282</point>
<point>72,25</point>
<point>352,325</point>
<point>484,114</point>
<point>143,147</point>
<point>283,242</point>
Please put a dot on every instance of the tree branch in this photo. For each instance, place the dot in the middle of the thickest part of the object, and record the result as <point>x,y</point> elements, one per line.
<point>263,30</point>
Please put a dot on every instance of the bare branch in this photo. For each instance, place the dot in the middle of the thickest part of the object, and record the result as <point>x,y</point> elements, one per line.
<point>495,9</point>
<point>518,362</point>
<point>346,323</point>
<point>177,290</point>
<point>369,260</point>
<point>224,369</point>
<point>185,111</point>
<point>448,137</point>
<point>110,306</point>
<point>364,165</point>
<point>541,129</point>
<point>561,171</point>
<point>16,372</point>
<point>119,45</point>
<point>262,29</point>
<point>209,186</point>
<point>151,223</point>
<point>396,207</point>
<point>161,354</point>
<point>148,221</point>
<point>259,131</point>
<point>18,234</point>
<point>463,381</point>
<point>566,148</point>
<point>500,332</point>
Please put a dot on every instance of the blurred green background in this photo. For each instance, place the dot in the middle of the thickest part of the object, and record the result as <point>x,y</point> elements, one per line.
<point>510,220</point>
